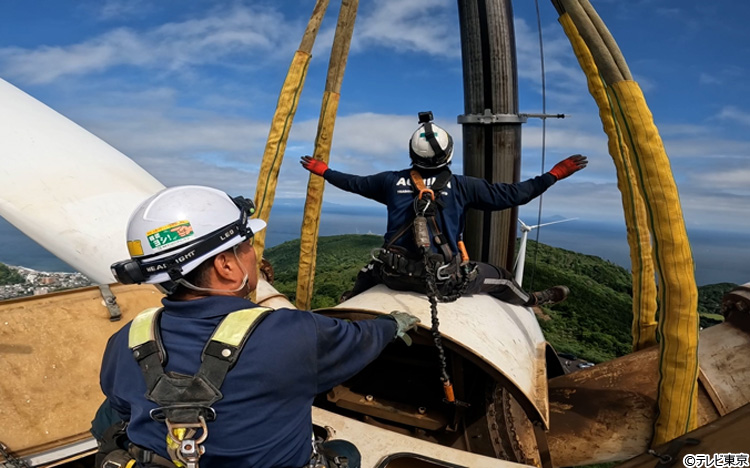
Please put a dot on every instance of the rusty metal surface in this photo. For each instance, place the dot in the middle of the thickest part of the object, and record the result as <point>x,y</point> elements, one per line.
<point>728,434</point>
<point>735,305</point>
<point>424,418</point>
<point>605,413</point>
<point>724,353</point>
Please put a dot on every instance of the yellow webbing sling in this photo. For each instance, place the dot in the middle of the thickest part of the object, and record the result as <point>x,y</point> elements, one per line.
<point>650,172</point>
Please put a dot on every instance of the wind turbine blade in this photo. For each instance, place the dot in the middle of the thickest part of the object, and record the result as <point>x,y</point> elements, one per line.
<point>553,222</point>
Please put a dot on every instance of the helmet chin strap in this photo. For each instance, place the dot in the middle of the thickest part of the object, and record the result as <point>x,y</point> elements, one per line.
<point>245,279</point>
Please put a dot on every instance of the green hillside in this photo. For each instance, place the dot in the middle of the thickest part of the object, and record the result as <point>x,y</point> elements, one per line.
<point>594,323</point>
<point>339,260</point>
<point>9,276</point>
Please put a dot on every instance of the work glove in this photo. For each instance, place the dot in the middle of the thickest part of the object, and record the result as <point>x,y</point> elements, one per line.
<point>316,166</point>
<point>404,323</point>
<point>568,166</point>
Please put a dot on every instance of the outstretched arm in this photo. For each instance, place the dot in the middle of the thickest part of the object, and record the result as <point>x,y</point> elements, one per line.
<point>368,186</point>
<point>485,196</point>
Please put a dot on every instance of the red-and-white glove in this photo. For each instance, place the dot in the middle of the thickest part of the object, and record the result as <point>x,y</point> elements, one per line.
<point>316,166</point>
<point>568,166</point>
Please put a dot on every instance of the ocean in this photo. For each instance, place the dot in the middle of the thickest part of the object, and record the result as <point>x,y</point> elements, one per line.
<point>717,256</point>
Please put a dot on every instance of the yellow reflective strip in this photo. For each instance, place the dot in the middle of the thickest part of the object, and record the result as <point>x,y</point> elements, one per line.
<point>141,330</point>
<point>130,464</point>
<point>232,329</point>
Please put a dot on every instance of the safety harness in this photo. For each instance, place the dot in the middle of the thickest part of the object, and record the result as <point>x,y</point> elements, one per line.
<point>445,275</point>
<point>185,401</point>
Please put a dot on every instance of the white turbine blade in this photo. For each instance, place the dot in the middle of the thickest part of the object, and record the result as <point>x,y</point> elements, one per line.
<point>524,226</point>
<point>553,222</point>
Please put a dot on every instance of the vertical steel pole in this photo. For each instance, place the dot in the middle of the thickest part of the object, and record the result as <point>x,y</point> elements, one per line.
<point>491,152</point>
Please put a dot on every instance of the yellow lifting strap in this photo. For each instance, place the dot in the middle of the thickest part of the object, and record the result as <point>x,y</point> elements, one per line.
<point>651,173</point>
<point>281,125</point>
<point>326,121</point>
<point>636,223</point>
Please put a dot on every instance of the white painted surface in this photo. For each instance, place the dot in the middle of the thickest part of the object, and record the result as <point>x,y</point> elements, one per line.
<point>64,187</point>
<point>375,444</point>
<point>505,336</point>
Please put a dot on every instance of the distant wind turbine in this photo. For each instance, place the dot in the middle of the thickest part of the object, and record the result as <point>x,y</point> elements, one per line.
<point>521,258</point>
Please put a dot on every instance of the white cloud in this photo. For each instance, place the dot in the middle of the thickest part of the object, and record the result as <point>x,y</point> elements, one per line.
<point>427,26</point>
<point>708,79</point>
<point>118,9</point>
<point>734,114</point>
<point>228,37</point>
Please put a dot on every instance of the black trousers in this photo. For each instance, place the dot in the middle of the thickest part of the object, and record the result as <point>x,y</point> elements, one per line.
<point>496,281</point>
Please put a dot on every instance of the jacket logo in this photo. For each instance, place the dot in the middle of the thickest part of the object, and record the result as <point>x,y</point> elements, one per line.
<point>403,181</point>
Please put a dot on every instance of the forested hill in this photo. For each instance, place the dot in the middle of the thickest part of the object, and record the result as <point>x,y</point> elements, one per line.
<point>594,323</point>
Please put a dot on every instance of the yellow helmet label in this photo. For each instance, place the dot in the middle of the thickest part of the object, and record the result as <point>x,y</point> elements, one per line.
<point>135,249</point>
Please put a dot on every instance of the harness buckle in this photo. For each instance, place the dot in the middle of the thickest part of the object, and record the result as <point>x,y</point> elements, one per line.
<point>439,273</point>
<point>375,254</point>
<point>187,449</point>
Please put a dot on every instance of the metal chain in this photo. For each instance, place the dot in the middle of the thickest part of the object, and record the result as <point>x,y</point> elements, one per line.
<point>9,460</point>
<point>433,293</point>
<point>438,340</point>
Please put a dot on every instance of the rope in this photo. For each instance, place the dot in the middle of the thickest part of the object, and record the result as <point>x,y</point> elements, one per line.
<point>544,141</point>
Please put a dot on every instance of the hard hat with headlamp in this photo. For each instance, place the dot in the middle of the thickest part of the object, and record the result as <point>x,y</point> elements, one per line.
<point>178,228</point>
<point>430,147</point>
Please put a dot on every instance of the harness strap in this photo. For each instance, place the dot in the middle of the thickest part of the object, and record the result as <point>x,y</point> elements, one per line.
<point>419,184</point>
<point>219,355</point>
<point>185,401</point>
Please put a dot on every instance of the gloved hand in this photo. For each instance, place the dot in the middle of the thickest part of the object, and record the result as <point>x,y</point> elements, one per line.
<point>316,166</point>
<point>568,166</point>
<point>404,322</point>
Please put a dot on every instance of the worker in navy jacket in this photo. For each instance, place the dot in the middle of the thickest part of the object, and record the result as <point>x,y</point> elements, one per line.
<point>431,150</point>
<point>195,243</point>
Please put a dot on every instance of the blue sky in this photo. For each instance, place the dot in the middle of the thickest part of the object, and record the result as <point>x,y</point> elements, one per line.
<point>187,90</point>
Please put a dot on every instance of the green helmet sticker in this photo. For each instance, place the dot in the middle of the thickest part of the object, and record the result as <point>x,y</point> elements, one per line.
<point>166,235</point>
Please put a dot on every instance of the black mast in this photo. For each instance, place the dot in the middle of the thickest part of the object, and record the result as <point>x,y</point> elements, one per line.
<point>491,125</point>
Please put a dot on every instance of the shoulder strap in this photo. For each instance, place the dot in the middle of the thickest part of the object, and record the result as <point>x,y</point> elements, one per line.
<point>441,180</point>
<point>219,355</point>
<point>226,343</point>
<point>432,214</point>
<point>144,341</point>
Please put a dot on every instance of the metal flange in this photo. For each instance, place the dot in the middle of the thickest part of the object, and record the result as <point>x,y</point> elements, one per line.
<point>488,118</point>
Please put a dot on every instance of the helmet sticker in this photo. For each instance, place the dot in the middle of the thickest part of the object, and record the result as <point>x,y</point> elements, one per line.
<point>163,236</point>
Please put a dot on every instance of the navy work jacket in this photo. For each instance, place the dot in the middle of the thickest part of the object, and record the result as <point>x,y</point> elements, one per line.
<point>394,189</point>
<point>264,419</point>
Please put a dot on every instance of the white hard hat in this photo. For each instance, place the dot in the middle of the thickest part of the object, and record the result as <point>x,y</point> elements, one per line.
<point>430,146</point>
<point>175,230</point>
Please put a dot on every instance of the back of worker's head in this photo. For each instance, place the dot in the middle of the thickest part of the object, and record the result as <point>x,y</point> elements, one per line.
<point>175,231</point>
<point>430,147</point>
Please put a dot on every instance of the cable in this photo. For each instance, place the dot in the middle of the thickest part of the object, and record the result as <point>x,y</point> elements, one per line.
<point>544,140</point>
